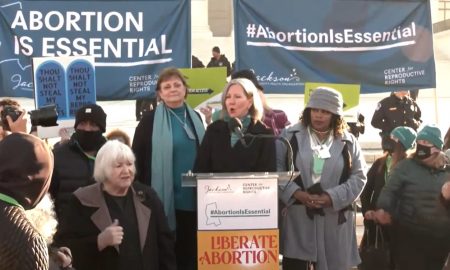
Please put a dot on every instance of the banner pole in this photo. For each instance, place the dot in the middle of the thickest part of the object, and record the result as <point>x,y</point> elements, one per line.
<point>436,107</point>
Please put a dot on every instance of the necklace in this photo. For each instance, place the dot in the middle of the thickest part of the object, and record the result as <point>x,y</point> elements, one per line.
<point>320,132</point>
<point>184,124</point>
<point>319,143</point>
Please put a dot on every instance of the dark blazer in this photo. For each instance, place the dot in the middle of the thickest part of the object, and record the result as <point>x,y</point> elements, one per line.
<point>376,178</point>
<point>216,154</point>
<point>142,146</point>
<point>88,215</point>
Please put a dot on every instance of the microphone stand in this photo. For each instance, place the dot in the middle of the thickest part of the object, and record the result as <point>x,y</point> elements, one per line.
<point>289,153</point>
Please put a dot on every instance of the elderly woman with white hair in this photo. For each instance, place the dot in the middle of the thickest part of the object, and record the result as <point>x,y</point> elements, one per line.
<point>224,150</point>
<point>116,223</point>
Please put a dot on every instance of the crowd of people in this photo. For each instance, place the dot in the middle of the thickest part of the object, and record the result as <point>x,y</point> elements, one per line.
<point>120,203</point>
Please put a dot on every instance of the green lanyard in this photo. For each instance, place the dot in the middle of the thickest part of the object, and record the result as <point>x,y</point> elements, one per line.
<point>9,200</point>
<point>388,168</point>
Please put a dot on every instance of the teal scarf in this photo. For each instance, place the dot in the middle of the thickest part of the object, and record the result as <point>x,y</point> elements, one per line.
<point>162,145</point>
<point>234,138</point>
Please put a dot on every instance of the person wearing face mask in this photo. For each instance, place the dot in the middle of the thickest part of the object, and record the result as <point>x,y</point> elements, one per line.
<point>410,202</point>
<point>74,160</point>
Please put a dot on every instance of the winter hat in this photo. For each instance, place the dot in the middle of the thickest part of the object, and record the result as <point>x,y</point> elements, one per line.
<point>405,135</point>
<point>432,134</point>
<point>26,175</point>
<point>247,74</point>
<point>326,98</point>
<point>216,49</point>
<point>91,112</point>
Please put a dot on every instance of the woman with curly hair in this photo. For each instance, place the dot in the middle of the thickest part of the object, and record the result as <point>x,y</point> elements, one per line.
<point>317,224</point>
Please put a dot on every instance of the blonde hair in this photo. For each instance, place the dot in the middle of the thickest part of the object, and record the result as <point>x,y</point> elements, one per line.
<point>256,110</point>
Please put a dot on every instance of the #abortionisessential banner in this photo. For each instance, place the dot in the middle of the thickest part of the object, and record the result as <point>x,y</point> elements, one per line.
<point>130,40</point>
<point>380,45</point>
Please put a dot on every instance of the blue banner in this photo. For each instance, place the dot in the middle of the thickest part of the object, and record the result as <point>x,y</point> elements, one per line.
<point>132,41</point>
<point>381,45</point>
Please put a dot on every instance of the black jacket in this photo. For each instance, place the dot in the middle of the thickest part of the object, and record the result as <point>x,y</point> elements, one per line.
<point>376,178</point>
<point>142,147</point>
<point>73,169</point>
<point>393,112</point>
<point>216,154</point>
<point>221,62</point>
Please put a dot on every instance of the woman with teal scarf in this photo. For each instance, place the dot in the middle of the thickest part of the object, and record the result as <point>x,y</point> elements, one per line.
<point>165,143</point>
<point>222,150</point>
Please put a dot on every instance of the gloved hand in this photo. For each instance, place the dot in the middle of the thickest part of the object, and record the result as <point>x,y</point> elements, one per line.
<point>111,236</point>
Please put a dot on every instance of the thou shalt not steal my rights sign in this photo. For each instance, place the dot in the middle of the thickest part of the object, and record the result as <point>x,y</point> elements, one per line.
<point>67,82</point>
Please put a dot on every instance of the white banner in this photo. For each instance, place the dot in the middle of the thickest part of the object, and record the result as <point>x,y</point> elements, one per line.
<point>237,204</point>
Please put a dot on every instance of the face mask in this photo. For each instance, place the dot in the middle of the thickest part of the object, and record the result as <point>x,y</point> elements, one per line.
<point>89,140</point>
<point>423,151</point>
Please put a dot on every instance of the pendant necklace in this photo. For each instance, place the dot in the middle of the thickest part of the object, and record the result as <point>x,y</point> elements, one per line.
<point>184,124</point>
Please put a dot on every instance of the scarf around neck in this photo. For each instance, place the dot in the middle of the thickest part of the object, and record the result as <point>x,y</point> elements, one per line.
<point>234,138</point>
<point>162,156</point>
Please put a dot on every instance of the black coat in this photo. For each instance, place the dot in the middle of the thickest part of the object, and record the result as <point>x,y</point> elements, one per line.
<point>72,170</point>
<point>221,62</point>
<point>88,215</point>
<point>142,146</point>
<point>393,112</point>
<point>376,178</point>
<point>216,154</point>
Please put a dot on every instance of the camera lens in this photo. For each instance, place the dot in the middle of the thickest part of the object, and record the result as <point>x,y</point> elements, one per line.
<point>45,116</point>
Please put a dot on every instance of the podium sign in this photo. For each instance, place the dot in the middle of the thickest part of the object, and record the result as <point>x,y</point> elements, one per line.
<point>237,250</point>
<point>237,204</point>
<point>237,221</point>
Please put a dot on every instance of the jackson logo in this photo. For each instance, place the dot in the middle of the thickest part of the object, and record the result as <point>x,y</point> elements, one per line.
<point>19,83</point>
<point>273,78</point>
<point>218,189</point>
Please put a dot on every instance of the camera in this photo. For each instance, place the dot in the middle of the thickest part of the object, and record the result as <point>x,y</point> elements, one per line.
<point>45,116</point>
<point>13,111</point>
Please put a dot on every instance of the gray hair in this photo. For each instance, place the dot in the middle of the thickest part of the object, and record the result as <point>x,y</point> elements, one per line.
<point>256,110</point>
<point>111,152</point>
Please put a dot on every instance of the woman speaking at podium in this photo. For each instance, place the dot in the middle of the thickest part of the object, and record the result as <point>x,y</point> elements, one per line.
<point>238,141</point>
<point>317,224</point>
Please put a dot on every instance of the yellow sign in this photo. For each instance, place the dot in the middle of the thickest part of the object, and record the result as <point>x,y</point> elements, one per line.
<point>238,250</point>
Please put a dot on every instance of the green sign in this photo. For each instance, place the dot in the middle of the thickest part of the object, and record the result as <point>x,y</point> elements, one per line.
<point>205,85</point>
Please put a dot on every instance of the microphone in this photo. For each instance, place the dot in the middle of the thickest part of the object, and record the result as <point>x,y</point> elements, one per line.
<point>235,125</point>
